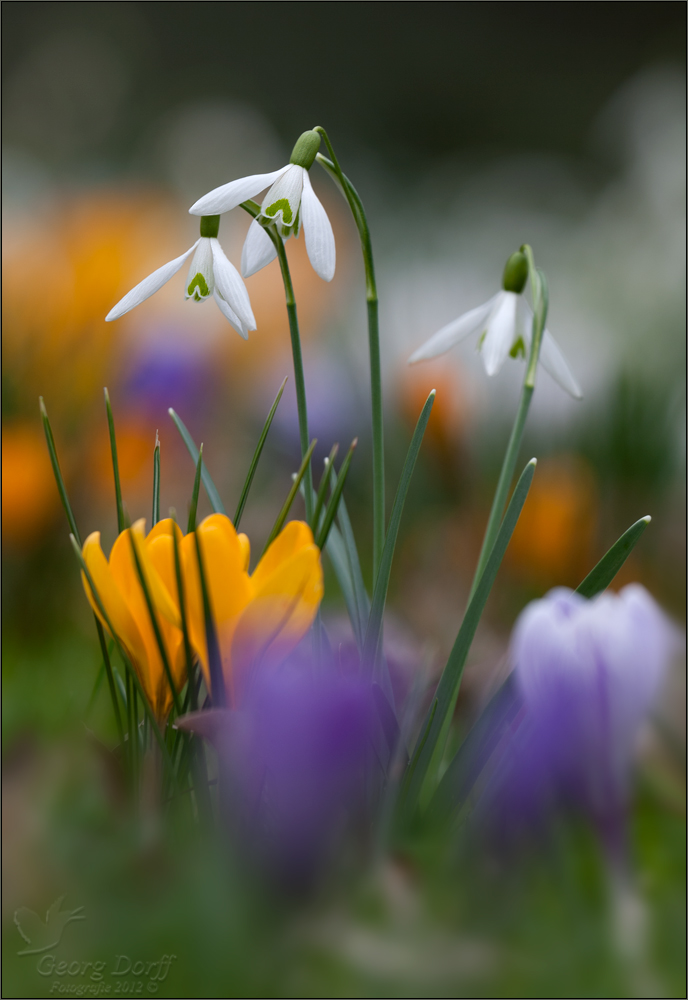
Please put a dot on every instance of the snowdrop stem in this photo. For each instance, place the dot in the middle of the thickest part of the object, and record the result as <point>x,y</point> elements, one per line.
<point>540,303</point>
<point>299,380</point>
<point>355,204</point>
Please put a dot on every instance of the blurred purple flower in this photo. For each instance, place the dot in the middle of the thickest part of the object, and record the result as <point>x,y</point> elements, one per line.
<point>292,762</point>
<point>587,672</point>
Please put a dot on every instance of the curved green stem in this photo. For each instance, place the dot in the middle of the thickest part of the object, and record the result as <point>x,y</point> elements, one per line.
<point>299,380</point>
<point>358,212</point>
<point>538,284</point>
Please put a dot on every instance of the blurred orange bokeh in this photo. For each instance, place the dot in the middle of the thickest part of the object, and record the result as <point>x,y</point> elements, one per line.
<point>554,538</point>
<point>29,494</point>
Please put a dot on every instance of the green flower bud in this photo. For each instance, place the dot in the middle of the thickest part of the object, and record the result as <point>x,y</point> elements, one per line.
<point>305,150</point>
<point>210,226</point>
<point>515,273</point>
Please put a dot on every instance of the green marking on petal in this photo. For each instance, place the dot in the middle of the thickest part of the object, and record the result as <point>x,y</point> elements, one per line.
<point>482,338</point>
<point>519,349</point>
<point>198,289</point>
<point>280,205</point>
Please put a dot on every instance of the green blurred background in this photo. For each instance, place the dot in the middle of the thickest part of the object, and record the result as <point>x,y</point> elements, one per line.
<point>468,129</point>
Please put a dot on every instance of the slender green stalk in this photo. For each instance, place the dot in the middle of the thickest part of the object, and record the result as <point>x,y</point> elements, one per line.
<point>121,516</point>
<point>130,671</point>
<point>62,490</point>
<point>540,304</point>
<point>322,488</point>
<point>331,511</point>
<point>156,481</point>
<point>57,472</point>
<point>256,455</point>
<point>193,506</point>
<point>217,680</point>
<point>360,218</point>
<point>282,516</point>
<point>374,630</point>
<point>156,625</point>
<point>111,680</point>
<point>188,651</point>
<point>428,753</point>
<point>299,379</point>
<point>210,487</point>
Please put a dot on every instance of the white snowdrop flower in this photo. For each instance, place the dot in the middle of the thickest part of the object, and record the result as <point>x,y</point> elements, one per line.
<point>290,203</point>
<point>504,326</point>
<point>210,274</point>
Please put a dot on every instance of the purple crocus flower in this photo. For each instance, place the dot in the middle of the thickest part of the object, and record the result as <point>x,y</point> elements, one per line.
<point>292,760</point>
<point>587,672</point>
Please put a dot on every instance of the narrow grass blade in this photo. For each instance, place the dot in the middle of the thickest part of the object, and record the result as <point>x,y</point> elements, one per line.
<point>599,578</point>
<point>256,456</point>
<point>156,625</point>
<point>210,487</point>
<point>217,680</point>
<point>57,472</point>
<point>428,753</point>
<point>282,516</point>
<point>121,516</point>
<point>336,550</point>
<point>62,490</point>
<point>331,510</point>
<point>193,506</point>
<point>125,658</point>
<point>188,651</point>
<point>322,489</point>
<point>110,678</point>
<point>156,481</point>
<point>349,541</point>
<point>390,726</point>
<point>475,751</point>
<point>374,630</point>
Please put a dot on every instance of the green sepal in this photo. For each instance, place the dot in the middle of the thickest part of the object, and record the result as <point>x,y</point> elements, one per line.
<point>306,149</point>
<point>515,273</point>
<point>210,226</point>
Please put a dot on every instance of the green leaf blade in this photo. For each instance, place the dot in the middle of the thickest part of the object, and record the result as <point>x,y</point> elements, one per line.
<point>256,455</point>
<point>210,487</point>
<point>599,578</point>
<point>427,756</point>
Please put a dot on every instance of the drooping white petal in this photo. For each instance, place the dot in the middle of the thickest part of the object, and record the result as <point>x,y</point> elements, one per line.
<point>149,286</point>
<point>551,356</point>
<point>453,333</point>
<point>318,232</point>
<point>227,196</point>
<point>229,313</point>
<point>230,286</point>
<point>555,364</point>
<point>282,201</point>
<point>500,332</point>
<point>200,281</point>
<point>258,250</point>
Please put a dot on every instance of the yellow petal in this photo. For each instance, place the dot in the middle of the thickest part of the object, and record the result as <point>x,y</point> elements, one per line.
<point>167,526</point>
<point>245,549</point>
<point>229,589</point>
<point>113,600</point>
<point>280,613</point>
<point>123,567</point>
<point>295,536</point>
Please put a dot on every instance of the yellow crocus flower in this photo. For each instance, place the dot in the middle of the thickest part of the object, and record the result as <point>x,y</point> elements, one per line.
<point>260,616</point>
<point>119,588</point>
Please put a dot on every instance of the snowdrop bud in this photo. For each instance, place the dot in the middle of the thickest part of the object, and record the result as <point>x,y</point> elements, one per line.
<point>210,226</point>
<point>305,150</point>
<point>515,273</point>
